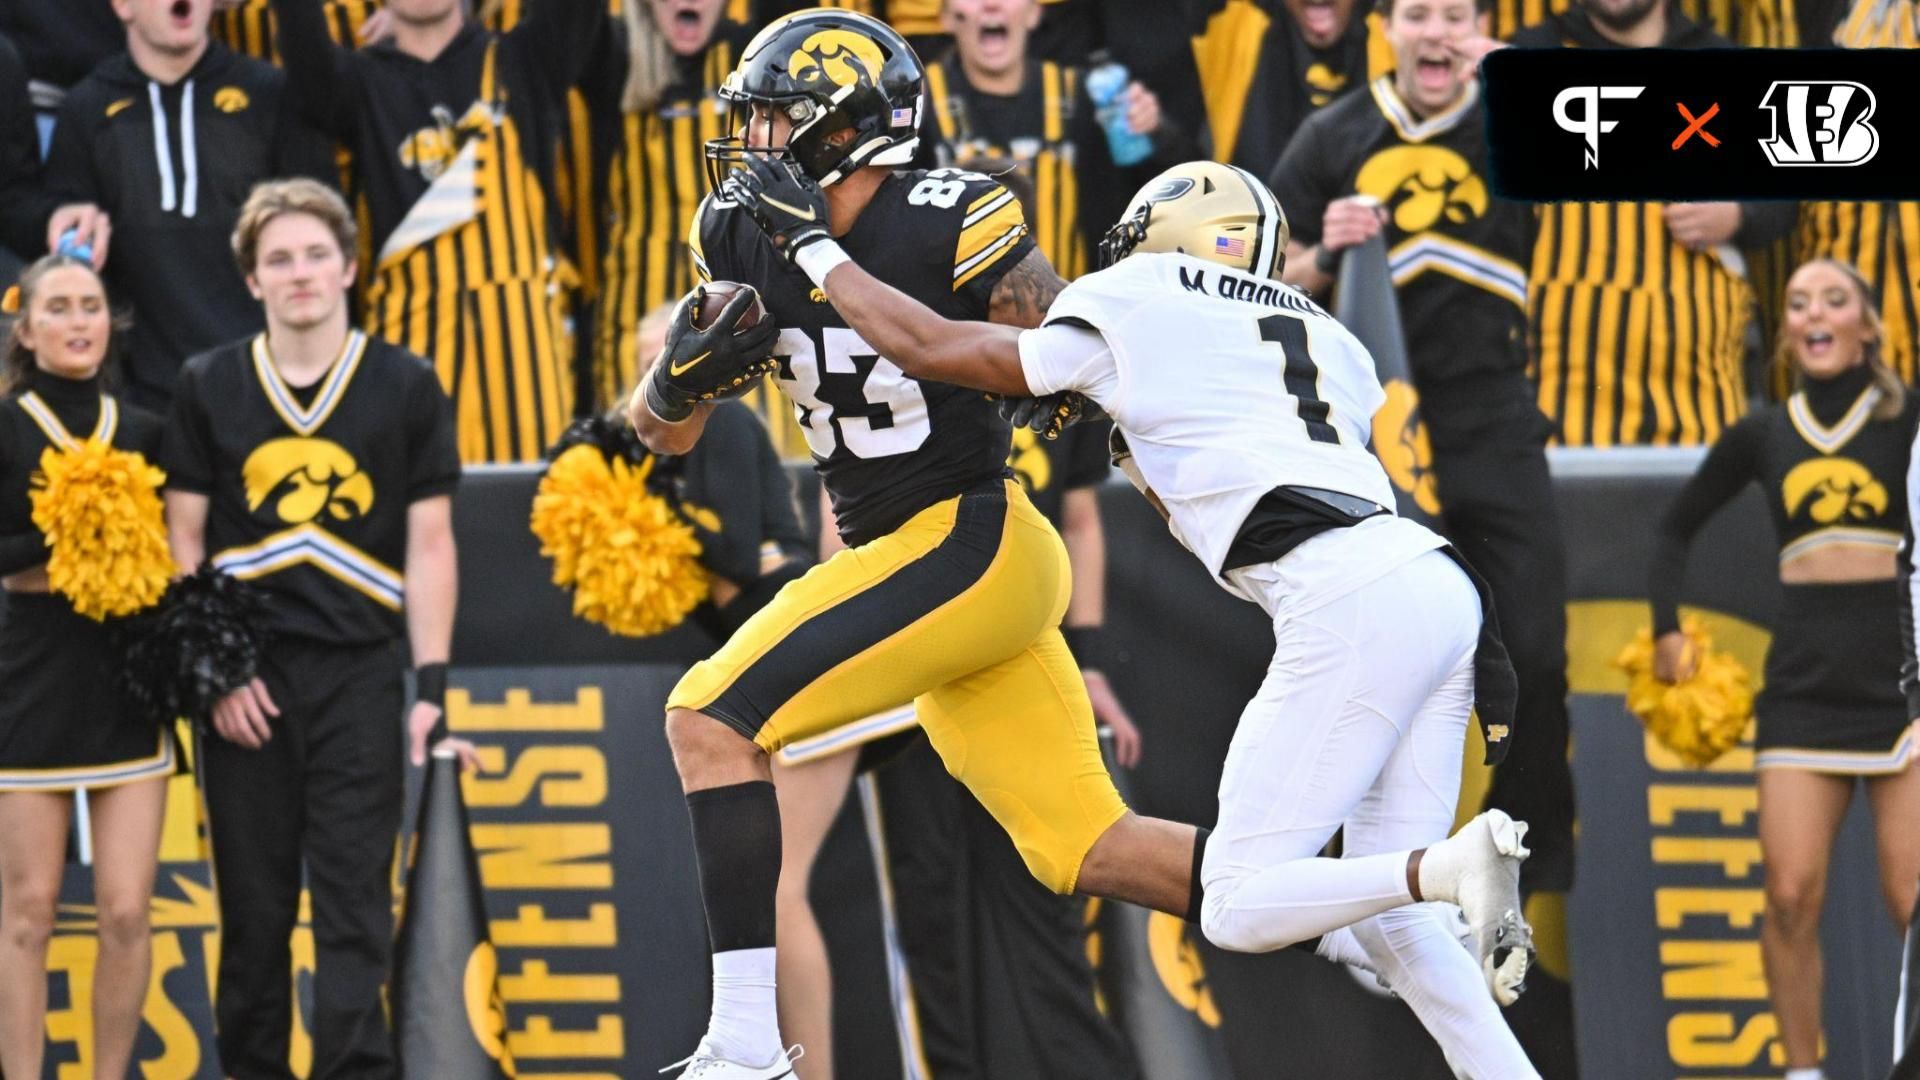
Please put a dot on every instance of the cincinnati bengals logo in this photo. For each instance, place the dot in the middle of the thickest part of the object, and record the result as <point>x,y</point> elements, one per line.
<point>1833,490</point>
<point>1029,460</point>
<point>231,99</point>
<point>1177,962</point>
<point>1323,84</point>
<point>1400,441</point>
<point>1423,186</point>
<point>307,479</point>
<point>836,56</point>
<point>432,148</point>
<point>486,1012</point>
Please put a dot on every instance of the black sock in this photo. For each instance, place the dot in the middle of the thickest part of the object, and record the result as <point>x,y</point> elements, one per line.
<point>736,838</point>
<point>1195,894</point>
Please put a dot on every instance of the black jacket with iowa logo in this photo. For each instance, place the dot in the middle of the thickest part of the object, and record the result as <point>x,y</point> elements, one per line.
<point>308,487</point>
<point>1457,254</point>
<point>887,446</point>
<point>173,164</point>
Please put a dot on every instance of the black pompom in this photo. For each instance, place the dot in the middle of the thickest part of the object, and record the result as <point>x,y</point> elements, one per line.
<point>201,642</point>
<point>611,433</point>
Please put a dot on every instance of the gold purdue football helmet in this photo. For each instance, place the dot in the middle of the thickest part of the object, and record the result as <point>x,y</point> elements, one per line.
<point>1208,210</point>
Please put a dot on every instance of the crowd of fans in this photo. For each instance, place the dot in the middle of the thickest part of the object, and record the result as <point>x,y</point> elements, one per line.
<point>522,178</point>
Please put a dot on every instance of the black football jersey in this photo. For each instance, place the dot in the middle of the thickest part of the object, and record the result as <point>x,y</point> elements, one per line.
<point>887,446</point>
<point>308,488</point>
<point>1457,254</point>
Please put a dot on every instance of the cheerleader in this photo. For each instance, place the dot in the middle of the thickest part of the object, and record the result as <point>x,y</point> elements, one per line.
<point>63,725</point>
<point>1832,461</point>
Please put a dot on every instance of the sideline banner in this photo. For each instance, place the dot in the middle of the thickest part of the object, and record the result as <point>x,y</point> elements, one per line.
<point>583,847</point>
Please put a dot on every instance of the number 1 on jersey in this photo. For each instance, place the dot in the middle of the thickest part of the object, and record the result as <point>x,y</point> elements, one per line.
<point>1302,377</point>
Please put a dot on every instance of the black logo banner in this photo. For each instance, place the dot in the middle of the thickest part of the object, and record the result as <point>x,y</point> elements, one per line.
<point>1699,124</point>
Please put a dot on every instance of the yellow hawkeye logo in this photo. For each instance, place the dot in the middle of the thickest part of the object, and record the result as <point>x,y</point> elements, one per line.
<point>1834,489</point>
<point>840,57</point>
<point>312,478</point>
<point>677,370</point>
<point>231,99</point>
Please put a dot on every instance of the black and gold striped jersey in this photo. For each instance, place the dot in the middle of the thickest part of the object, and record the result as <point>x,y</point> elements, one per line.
<point>1457,255</point>
<point>1048,129</point>
<point>1638,340</point>
<point>308,487</point>
<point>454,161</point>
<point>653,169</point>
<point>1761,24</point>
<point>249,27</point>
<point>1262,80</point>
<point>886,446</point>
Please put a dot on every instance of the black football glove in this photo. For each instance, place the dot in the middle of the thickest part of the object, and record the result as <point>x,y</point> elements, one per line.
<point>788,207</point>
<point>711,364</point>
<point>1047,416</point>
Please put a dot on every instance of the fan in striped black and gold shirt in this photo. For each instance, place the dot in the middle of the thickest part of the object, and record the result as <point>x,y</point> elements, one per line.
<point>1639,311</point>
<point>651,91</point>
<point>453,129</point>
<point>1880,239</point>
<point>247,26</point>
<point>992,100</point>
<point>916,20</point>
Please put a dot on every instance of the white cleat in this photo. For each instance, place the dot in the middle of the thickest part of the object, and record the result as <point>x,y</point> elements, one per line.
<point>1483,860</point>
<point>704,1066</point>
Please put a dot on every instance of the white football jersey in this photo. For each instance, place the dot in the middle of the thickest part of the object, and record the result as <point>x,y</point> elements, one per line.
<point>1225,387</point>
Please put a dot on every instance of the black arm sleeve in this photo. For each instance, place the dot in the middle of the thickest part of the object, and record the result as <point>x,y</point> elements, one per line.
<point>1302,183</point>
<point>24,203</point>
<point>319,73</point>
<point>433,452</point>
<point>1729,466</point>
<point>70,174</point>
<point>21,551</point>
<point>720,477</point>
<point>559,38</point>
<point>1762,223</point>
<point>186,446</point>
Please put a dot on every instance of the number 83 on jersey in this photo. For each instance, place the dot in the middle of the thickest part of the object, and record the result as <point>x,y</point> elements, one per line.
<point>848,398</point>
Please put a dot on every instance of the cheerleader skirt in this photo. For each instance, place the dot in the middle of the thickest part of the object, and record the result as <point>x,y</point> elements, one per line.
<point>1832,700</point>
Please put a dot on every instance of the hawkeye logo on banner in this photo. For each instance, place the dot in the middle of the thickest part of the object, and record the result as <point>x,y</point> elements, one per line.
<point>1610,125</point>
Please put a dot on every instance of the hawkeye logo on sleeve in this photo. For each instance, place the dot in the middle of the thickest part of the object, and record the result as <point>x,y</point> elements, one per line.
<point>1834,490</point>
<point>840,57</point>
<point>1424,186</point>
<point>308,479</point>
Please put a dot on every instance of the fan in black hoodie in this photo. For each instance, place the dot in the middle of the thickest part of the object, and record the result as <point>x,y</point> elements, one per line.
<point>168,138</point>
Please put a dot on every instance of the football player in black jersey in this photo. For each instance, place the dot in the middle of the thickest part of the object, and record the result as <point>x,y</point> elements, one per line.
<point>952,588</point>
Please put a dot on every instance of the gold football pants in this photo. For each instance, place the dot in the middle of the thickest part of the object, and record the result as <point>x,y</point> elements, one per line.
<point>959,612</point>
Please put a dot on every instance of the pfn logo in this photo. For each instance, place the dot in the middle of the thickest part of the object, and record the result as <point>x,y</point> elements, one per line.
<point>1589,125</point>
<point>1825,123</point>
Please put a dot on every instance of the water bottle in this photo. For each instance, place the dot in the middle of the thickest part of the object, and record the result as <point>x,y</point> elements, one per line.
<point>1107,85</point>
<point>72,246</point>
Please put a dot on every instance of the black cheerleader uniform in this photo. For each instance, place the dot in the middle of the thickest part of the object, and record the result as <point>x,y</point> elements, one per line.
<point>1832,474</point>
<point>63,723</point>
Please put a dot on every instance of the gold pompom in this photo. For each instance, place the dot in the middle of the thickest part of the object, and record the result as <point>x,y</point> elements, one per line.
<point>1703,715</point>
<point>632,563</point>
<point>100,511</point>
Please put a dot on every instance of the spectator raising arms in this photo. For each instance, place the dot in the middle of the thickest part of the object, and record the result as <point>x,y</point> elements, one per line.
<point>452,129</point>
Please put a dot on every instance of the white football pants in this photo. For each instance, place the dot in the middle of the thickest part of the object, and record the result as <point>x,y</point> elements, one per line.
<point>1361,724</point>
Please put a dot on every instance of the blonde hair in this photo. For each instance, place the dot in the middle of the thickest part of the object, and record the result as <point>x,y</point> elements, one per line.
<point>650,59</point>
<point>272,198</point>
<point>1893,392</point>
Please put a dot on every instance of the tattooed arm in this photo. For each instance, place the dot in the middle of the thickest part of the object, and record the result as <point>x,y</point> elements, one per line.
<point>1023,294</point>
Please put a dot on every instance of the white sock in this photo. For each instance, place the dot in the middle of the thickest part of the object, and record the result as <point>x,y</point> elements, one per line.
<point>1810,1073</point>
<point>746,1025</point>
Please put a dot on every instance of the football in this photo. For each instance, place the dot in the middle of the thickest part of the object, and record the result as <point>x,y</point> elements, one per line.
<point>714,299</point>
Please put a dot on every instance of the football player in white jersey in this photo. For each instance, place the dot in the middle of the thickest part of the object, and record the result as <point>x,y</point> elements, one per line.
<point>1243,411</point>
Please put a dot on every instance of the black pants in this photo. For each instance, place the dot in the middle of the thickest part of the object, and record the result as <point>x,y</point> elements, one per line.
<point>1001,982</point>
<point>1497,498</point>
<point>325,793</point>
